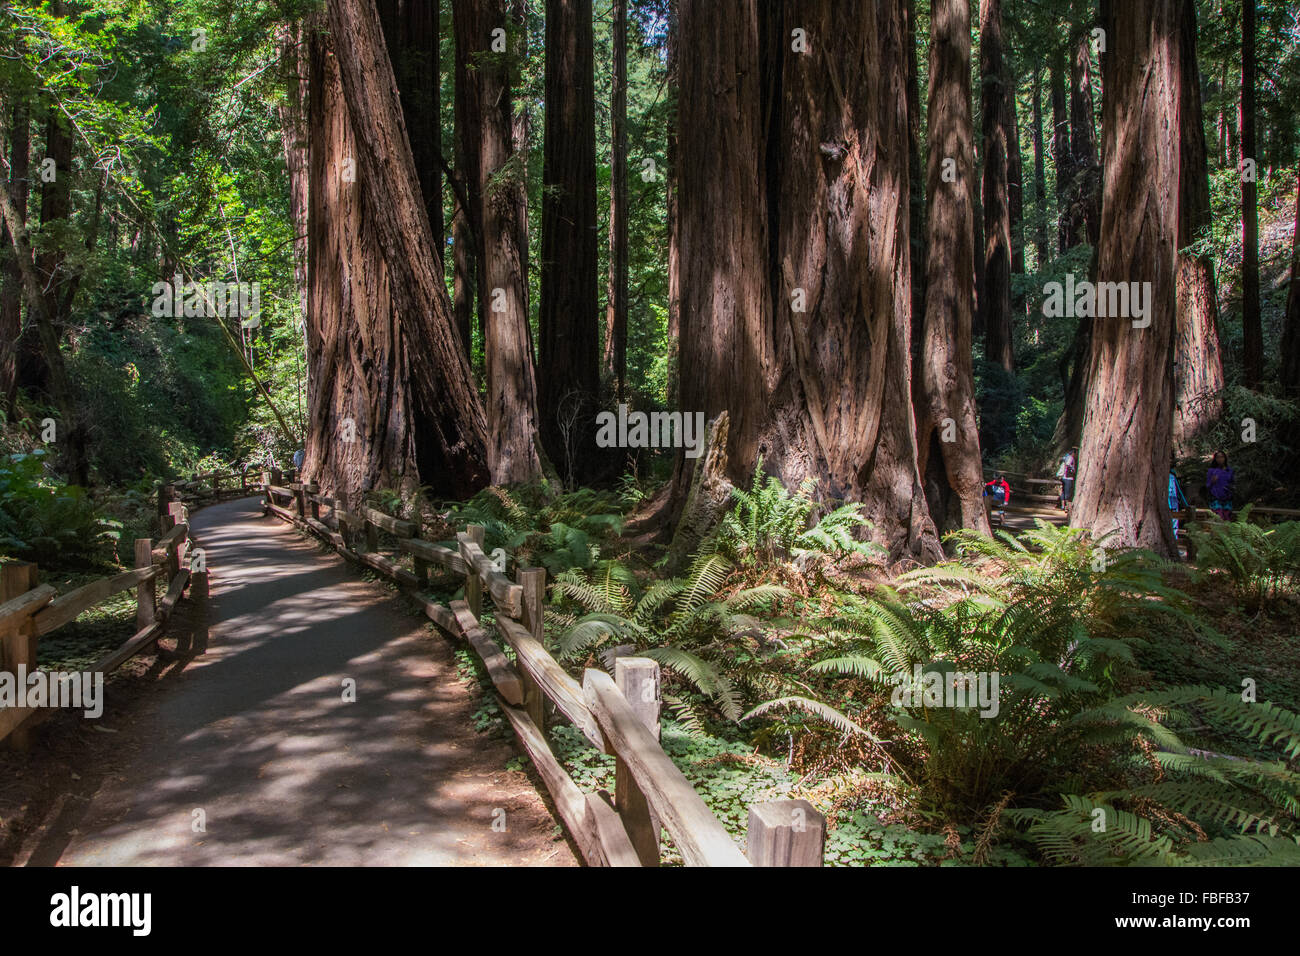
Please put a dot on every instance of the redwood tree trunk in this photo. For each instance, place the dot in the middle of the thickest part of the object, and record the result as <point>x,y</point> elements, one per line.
<point>513,452</point>
<point>386,354</point>
<point>1085,193</point>
<point>1061,153</point>
<point>811,361</point>
<point>616,292</point>
<point>411,37</point>
<point>999,139</point>
<point>1252,330</point>
<point>1128,423</point>
<point>1041,246</point>
<point>1291,329</point>
<point>947,432</point>
<point>11,283</point>
<point>1198,364</point>
<point>568,320</point>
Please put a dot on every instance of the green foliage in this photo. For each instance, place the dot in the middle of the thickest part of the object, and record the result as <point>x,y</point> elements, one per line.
<point>1260,564</point>
<point>48,522</point>
<point>770,525</point>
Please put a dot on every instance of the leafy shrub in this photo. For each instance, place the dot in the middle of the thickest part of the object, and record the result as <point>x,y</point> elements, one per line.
<point>1260,563</point>
<point>47,522</point>
<point>770,525</point>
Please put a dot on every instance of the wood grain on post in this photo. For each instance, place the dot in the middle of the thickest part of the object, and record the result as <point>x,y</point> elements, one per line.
<point>695,831</point>
<point>18,639</point>
<point>313,501</point>
<point>785,833</point>
<point>473,587</point>
<point>638,679</point>
<point>145,596</point>
<point>533,581</point>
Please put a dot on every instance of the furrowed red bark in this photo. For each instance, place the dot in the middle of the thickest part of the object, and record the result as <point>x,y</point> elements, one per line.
<point>390,358</point>
<point>1127,429</point>
<point>947,433</point>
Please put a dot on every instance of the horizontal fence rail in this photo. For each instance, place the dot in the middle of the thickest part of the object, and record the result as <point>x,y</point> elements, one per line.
<point>29,611</point>
<point>618,714</point>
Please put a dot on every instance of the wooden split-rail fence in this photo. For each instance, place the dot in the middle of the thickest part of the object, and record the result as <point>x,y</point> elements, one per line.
<point>30,610</point>
<point>618,714</point>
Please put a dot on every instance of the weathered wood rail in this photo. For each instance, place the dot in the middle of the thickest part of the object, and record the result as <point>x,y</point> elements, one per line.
<point>29,610</point>
<point>618,714</point>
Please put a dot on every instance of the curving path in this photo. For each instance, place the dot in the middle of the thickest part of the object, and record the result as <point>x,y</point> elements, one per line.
<point>255,732</point>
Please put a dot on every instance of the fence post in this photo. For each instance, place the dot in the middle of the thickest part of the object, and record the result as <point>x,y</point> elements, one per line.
<point>421,566</point>
<point>313,506</point>
<point>785,833</point>
<point>216,483</point>
<point>533,581</point>
<point>199,595</point>
<point>473,586</point>
<point>300,501</point>
<point>638,679</point>
<point>165,494</point>
<point>145,596</point>
<point>372,535</point>
<point>243,480</point>
<point>19,645</point>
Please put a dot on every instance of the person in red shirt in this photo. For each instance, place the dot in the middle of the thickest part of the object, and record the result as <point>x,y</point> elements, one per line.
<point>998,490</point>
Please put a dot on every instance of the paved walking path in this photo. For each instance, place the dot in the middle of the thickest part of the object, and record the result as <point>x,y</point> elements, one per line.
<point>255,739</point>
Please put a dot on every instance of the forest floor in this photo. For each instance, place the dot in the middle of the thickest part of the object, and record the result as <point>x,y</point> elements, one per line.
<point>242,749</point>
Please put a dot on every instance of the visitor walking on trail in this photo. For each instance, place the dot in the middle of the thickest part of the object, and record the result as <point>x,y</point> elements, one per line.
<point>1177,500</point>
<point>1219,481</point>
<point>1000,492</point>
<point>1066,473</point>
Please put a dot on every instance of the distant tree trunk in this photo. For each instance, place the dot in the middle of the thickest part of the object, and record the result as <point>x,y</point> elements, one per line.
<point>11,284</point>
<point>999,139</point>
<point>295,62</point>
<point>674,245</point>
<point>1252,329</point>
<point>514,455</point>
<point>1198,364</point>
<point>463,280</point>
<point>1085,197</point>
<point>1128,424</point>
<point>411,37</point>
<point>1015,173</point>
<point>616,292</point>
<point>390,370</point>
<point>1041,246</point>
<point>946,432</point>
<point>1291,329</point>
<point>471,294</point>
<point>1062,156</point>
<point>568,319</point>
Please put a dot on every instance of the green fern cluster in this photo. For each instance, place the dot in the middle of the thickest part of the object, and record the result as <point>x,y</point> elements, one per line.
<point>710,640</point>
<point>1261,564</point>
<point>46,521</point>
<point>768,524</point>
<point>1056,619</point>
<point>538,525</point>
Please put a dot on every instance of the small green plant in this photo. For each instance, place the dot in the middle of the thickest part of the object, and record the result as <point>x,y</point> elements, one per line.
<point>1260,564</point>
<point>770,525</point>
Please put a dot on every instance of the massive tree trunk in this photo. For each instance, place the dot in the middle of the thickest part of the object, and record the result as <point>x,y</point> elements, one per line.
<point>411,38</point>
<point>513,452</point>
<point>1198,364</point>
<point>1252,329</point>
<point>469,286</point>
<point>947,433</point>
<point>11,283</point>
<point>811,362</point>
<point>1291,329</point>
<point>568,320</point>
<point>394,404</point>
<point>999,139</point>
<point>1127,429</point>
<point>674,245</point>
<point>616,290</point>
